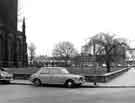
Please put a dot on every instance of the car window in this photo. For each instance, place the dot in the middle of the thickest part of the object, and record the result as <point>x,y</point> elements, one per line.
<point>58,71</point>
<point>53,71</point>
<point>44,71</point>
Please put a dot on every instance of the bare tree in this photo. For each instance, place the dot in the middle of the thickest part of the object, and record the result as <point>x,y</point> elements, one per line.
<point>107,48</point>
<point>31,49</point>
<point>64,50</point>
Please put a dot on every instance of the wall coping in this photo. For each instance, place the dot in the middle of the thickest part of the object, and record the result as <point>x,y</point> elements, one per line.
<point>108,74</point>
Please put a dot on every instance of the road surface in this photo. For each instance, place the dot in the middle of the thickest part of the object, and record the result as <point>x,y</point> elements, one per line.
<point>31,94</point>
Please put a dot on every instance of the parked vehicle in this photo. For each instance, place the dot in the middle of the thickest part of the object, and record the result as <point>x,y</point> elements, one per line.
<point>5,76</point>
<point>56,75</point>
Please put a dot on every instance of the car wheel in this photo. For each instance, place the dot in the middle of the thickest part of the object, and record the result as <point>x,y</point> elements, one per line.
<point>69,84</point>
<point>37,82</point>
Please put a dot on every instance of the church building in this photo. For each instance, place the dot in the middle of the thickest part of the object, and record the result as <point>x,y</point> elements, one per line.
<point>13,47</point>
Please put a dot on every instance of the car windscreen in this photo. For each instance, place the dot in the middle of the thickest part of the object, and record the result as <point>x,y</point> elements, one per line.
<point>64,71</point>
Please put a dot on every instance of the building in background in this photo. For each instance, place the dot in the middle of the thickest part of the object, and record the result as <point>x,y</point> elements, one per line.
<point>13,47</point>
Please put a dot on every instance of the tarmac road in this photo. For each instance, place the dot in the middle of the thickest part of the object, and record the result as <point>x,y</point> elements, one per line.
<point>30,94</point>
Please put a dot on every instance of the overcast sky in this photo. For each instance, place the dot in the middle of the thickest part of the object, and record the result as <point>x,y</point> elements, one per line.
<point>51,21</point>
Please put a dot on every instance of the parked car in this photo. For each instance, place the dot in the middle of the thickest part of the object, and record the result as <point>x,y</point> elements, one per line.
<point>56,75</point>
<point>5,76</point>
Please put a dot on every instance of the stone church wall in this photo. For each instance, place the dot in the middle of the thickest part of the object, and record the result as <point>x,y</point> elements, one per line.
<point>13,46</point>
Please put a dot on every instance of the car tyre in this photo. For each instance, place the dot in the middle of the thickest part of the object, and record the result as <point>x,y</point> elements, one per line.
<point>36,82</point>
<point>69,84</point>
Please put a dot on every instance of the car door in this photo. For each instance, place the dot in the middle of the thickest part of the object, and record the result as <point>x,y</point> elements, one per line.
<point>56,77</point>
<point>45,76</point>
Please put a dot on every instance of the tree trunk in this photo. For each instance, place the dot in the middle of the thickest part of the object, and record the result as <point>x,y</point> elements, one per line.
<point>66,61</point>
<point>108,66</point>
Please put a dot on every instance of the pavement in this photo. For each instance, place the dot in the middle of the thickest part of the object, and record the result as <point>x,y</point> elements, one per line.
<point>124,80</point>
<point>21,82</point>
<point>55,94</point>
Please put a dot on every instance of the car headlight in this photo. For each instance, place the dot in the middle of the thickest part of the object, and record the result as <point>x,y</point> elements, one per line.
<point>3,74</point>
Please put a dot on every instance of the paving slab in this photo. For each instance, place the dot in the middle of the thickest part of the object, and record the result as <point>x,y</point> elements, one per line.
<point>21,82</point>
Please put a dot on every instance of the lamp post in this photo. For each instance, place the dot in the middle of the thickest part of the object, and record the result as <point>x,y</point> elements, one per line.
<point>95,76</point>
<point>95,64</point>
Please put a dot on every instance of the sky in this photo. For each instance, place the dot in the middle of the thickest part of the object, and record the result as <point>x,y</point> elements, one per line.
<point>51,21</point>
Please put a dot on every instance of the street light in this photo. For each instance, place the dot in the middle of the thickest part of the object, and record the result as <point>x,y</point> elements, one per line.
<point>94,52</point>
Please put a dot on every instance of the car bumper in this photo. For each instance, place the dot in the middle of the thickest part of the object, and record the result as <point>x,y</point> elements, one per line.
<point>31,78</point>
<point>79,81</point>
<point>6,78</point>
